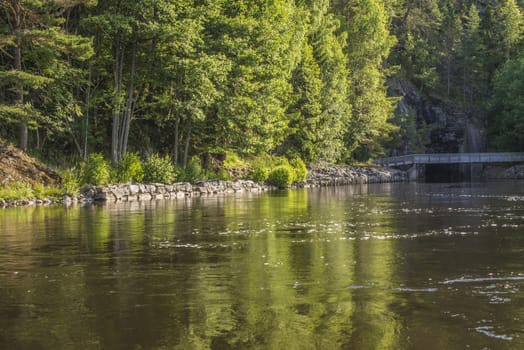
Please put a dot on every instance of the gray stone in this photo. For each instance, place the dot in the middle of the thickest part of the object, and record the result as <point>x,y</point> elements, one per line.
<point>133,189</point>
<point>144,197</point>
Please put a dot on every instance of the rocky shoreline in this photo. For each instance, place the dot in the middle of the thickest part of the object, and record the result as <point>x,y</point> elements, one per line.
<point>319,176</point>
<point>336,175</point>
<point>503,173</point>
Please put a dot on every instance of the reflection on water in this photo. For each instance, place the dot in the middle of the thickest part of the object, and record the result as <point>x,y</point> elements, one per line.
<point>396,266</point>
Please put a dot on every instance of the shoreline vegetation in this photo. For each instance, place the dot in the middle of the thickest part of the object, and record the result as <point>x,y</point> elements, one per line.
<point>24,181</point>
<point>20,194</point>
<point>319,176</point>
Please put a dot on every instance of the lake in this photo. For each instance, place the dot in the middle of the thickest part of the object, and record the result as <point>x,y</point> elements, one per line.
<point>392,266</point>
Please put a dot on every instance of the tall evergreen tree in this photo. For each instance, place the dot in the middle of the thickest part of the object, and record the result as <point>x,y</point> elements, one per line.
<point>450,34</point>
<point>321,111</point>
<point>507,27</point>
<point>473,55</point>
<point>369,44</point>
<point>41,51</point>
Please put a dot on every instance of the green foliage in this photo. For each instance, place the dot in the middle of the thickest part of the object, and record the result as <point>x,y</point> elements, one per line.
<point>507,111</point>
<point>16,190</point>
<point>41,192</point>
<point>37,65</point>
<point>71,181</point>
<point>507,27</point>
<point>299,169</point>
<point>192,172</point>
<point>220,174</point>
<point>129,169</point>
<point>96,170</point>
<point>233,160</point>
<point>473,59</point>
<point>159,169</point>
<point>412,136</point>
<point>259,173</point>
<point>23,190</point>
<point>307,79</point>
<point>369,44</point>
<point>282,176</point>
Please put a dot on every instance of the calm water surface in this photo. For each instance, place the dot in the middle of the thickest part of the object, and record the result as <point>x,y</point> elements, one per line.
<point>410,266</point>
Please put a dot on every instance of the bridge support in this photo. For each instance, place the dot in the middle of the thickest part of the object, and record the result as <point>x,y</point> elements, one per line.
<point>472,171</point>
<point>416,172</point>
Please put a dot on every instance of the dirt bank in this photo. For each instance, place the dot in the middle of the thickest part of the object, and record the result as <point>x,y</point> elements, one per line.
<point>17,166</point>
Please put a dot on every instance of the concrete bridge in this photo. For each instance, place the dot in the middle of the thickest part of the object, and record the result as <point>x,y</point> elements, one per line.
<point>416,161</point>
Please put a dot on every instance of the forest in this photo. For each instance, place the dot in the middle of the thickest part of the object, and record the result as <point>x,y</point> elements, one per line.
<point>205,79</point>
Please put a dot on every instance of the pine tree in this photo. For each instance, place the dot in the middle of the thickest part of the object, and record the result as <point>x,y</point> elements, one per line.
<point>473,56</point>
<point>369,44</point>
<point>38,43</point>
<point>507,27</point>
<point>450,34</point>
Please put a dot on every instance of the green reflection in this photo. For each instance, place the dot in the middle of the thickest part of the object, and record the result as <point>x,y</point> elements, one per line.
<point>313,269</point>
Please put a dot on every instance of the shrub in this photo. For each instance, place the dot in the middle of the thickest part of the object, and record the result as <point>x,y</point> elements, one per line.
<point>192,172</point>
<point>299,169</point>
<point>159,169</point>
<point>233,160</point>
<point>281,176</point>
<point>71,181</point>
<point>129,169</point>
<point>96,171</point>
<point>259,173</point>
<point>279,161</point>
<point>220,174</point>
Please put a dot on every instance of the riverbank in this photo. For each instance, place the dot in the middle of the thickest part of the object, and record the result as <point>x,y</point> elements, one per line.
<point>515,172</point>
<point>318,176</point>
<point>336,175</point>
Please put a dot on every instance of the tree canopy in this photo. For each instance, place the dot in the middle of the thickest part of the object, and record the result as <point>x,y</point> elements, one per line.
<point>305,78</point>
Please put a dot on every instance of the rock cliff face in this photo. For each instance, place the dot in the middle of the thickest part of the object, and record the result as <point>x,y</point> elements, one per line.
<point>452,131</point>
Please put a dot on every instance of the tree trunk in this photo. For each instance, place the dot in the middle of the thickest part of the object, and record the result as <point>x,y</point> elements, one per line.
<point>449,78</point>
<point>128,112</point>
<point>118,66</point>
<point>88,102</point>
<point>177,139</point>
<point>186,148</point>
<point>22,132</point>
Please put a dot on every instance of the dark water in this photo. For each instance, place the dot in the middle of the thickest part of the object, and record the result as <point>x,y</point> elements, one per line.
<point>413,266</point>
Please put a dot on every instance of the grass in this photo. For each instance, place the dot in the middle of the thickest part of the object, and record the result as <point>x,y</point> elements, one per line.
<point>22,190</point>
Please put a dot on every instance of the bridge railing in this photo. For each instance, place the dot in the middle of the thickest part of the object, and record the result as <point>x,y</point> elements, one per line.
<point>452,158</point>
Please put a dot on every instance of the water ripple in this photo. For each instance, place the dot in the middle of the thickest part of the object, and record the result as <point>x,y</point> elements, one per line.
<point>483,279</point>
<point>488,330</point>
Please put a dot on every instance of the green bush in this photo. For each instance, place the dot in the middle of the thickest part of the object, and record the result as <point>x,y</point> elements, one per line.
<point>279,161</point>
<point>71,181</point>
<point>220,174</point>
<point>159,169</point>
<point>282,176</point>
<point>96,171</point>
<point>129,169</point>
<point>233,160</point>
<point>299,169</point>
<point>259,173</point>
<point>192,172</point>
